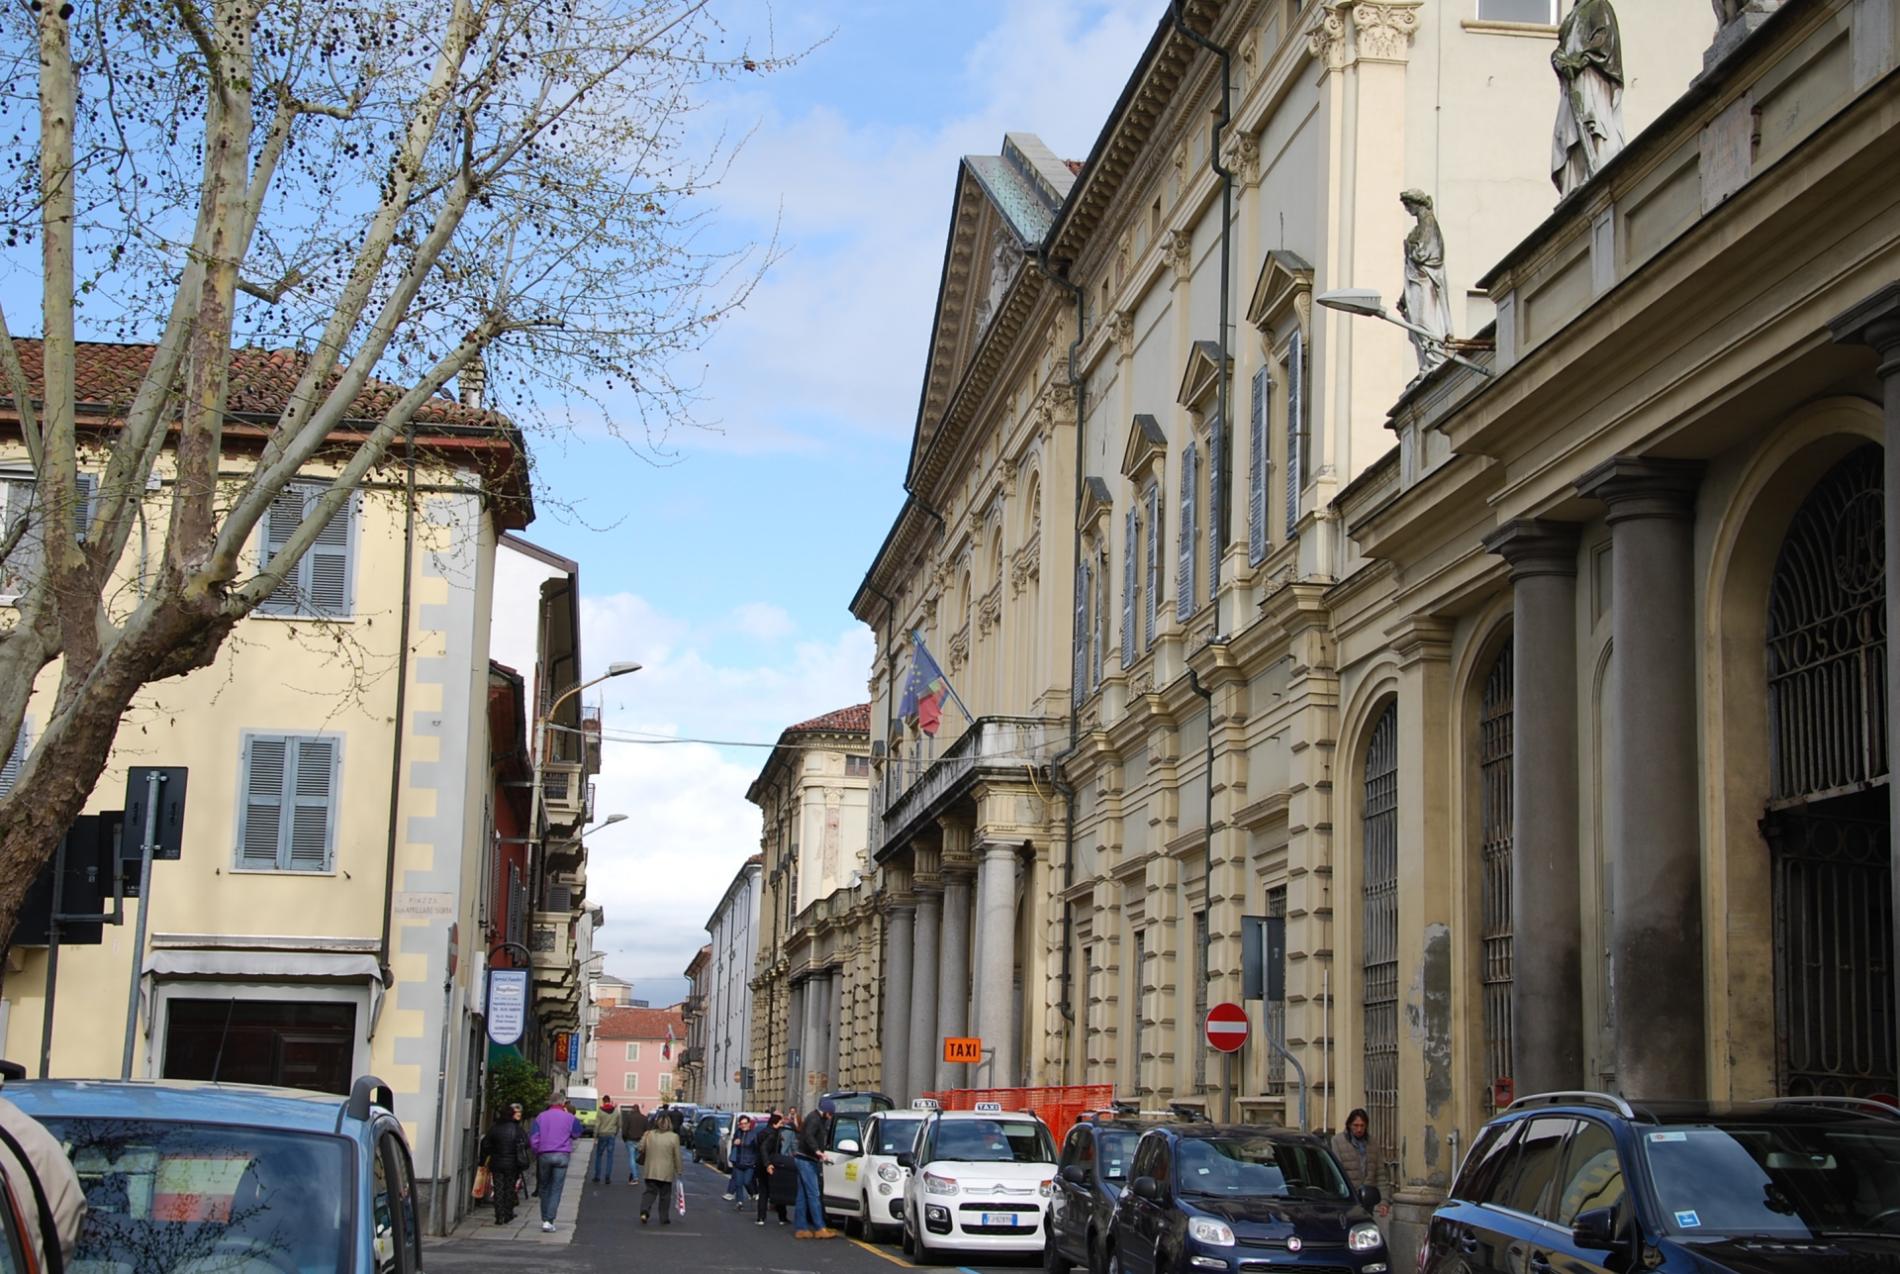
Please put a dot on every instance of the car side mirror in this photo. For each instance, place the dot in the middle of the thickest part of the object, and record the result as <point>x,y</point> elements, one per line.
<point>1076,1175</point>
<point>1369,1197</point>
<point>906,1160</point>
<point>1595,1229</point>
<point>848,1147</point>
<point>1150,1189</point>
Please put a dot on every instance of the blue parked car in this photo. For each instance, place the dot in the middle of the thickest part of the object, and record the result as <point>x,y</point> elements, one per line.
<point>185,1175</point>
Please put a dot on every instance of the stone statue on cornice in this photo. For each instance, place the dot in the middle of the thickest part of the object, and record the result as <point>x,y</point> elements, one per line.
<point>1427,300</point>
<point>1589,66</point>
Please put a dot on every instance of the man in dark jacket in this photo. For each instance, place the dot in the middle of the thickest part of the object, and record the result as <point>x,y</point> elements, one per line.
<point>505,1149</point>
<point>633,1126</point>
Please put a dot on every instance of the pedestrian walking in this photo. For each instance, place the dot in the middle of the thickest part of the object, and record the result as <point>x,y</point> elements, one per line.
<point>555,1131</point>
<point>633,1126</point>
<point>778,1150</point>
<point>660,1161</point>
<point>606,1140</point>
<point>1352,1146</point>
<point>744,1155</point>
<point>808,1215</point>
<point>505,1150</point>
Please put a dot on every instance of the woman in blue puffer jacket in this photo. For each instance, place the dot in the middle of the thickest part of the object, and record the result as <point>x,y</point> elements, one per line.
<point>745,1161</point>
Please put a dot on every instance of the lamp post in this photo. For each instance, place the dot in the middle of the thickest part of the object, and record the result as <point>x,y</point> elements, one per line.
<point>1366,302</point>
<point>541,737</point>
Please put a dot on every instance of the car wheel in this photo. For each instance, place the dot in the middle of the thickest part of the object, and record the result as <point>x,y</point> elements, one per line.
<point>906,1242</point>
<point>1052,1258</point>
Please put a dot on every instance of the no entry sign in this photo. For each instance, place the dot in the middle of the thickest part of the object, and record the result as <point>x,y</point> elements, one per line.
<point>1227,1027</point>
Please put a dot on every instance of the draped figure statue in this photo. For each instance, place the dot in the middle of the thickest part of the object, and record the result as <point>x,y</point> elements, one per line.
<point>1427,299</point>
<point>1589,66</point>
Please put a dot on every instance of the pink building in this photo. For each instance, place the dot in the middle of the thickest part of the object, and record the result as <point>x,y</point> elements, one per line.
<point>635,1059</point>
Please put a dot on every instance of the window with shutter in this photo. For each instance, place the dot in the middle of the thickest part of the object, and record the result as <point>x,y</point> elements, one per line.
<point>1216,503</point>
<point>1184,565</point>
<point>1099,641</point>
<point>1131,552</point>
<point>1080,673</point>
<point>1151,590</point>
<point>1295,430</point>
<point>288,815</point>
<point>17,502</point>
<point>1257,471</point>
<point>16,759</point>
<point>322,584</point>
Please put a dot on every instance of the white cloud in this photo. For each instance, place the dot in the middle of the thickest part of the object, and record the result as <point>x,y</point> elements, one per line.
<point>763,621</point>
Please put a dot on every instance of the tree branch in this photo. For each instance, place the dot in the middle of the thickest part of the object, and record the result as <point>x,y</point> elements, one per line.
<point>22,392</point>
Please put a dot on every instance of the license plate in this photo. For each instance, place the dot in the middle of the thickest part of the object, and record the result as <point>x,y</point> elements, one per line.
<point>999,1218</point>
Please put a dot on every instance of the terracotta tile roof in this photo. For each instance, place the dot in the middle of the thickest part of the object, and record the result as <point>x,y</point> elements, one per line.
<point>641,1024</point>
<point>853,720</point>
<point>107,376</point>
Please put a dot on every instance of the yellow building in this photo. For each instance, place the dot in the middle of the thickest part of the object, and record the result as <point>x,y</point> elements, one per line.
<point>326,915</point>
<point>816,976</point>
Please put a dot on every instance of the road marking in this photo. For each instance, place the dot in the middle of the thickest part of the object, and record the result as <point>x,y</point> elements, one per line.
<point>894,1260</point>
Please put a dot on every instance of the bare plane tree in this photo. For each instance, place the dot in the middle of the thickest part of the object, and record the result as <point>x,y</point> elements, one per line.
<point>401,192</point>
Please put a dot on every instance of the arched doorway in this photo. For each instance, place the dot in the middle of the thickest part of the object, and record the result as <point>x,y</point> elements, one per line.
<point>1379,955</point>
<point>1827,820</point>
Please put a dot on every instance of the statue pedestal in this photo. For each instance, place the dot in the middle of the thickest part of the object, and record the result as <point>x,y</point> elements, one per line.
<point>1735,31</point>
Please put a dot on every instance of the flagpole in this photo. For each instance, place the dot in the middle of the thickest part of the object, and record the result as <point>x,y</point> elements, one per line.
<point>917,635</point>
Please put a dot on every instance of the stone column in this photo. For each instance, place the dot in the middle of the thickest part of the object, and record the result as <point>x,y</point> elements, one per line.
<point>953,975</point>
<point>899,941</point>
<point>811,1047</point>
<point>996,963</point>
<point>834,1029</point>
<point>794,1042</point>
<point>1546,905</point>
<point>1876,322</point>
<point>924,1048</point>
<point>1656,922</point>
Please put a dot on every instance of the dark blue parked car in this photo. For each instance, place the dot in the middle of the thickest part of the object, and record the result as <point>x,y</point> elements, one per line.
<point>1586,1183</point>
<point>1090,1176</point>
<point>184,1175</point>
<point>1242,1197</point>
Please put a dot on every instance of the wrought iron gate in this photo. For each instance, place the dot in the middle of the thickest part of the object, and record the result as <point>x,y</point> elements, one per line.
<point>1380,943</point>
<point>1496,721</point>
<point>1827,823</point>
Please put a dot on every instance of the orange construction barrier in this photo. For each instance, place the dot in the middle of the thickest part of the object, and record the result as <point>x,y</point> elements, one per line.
<point>1059,1106</point>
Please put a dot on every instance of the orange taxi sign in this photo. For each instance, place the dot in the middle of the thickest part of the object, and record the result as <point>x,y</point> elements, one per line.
<point>958,1049</point>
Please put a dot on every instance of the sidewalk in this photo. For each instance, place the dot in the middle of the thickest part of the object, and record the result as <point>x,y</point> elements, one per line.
<point>526,1227</point>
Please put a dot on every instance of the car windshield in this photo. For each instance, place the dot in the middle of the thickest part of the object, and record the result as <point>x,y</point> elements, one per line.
<point>173,1197</point>
<point>1114,1149</point>
<point>994,1141</point>
<point>582,1103</point>
<point>896,1136</point>
<point>1787,1180</point>
<point>1258,1166</point>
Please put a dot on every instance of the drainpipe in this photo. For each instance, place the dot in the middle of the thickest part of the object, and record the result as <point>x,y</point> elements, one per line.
<point>890,695</point>
<point>402,697</point>
<point>1217,531</point>
<point>1057,769</point>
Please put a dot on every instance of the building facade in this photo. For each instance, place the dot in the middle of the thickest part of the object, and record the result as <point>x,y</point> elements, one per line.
<point>815,983</point>
<point>639,1055</point>
<point>734,927</point>
<point>324,917</point>
<point>692,1069</point>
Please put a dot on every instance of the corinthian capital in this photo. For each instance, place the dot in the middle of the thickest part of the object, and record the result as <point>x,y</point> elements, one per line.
<point>1349,31</point>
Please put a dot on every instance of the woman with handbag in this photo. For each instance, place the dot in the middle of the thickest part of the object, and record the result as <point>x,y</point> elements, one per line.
<point>659,1167</point>
<point>505,1153</point>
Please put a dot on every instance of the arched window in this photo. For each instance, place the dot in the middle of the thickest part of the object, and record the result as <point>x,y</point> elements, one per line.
<point>1379,941</point>
<point>1495,749</point>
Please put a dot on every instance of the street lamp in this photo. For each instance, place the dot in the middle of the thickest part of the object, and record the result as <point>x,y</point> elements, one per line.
<point>1367,302</point>
<point>541,736</point>
<point>609,821</point>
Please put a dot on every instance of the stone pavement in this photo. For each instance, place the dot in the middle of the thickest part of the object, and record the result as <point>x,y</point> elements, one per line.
<point>526,1227</point>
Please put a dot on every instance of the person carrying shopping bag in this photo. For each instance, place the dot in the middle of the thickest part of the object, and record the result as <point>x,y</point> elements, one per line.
<point>660,1168</point>
<point>505,1151</point>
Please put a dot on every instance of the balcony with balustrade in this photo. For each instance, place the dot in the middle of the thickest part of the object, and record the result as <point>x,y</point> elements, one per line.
<point>915,790</point>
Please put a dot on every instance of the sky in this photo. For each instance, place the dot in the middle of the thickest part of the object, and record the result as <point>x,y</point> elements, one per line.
<point>728,574</point>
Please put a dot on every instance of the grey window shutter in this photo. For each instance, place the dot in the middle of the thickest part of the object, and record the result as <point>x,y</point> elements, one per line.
<point>1184,565</point>
<point>16,759</point>
<point>1098,642</point>
<point>261,817</point>
<point>327,566</point>
<point>1078,685</point>
<point>313,799</point>
<point>1131,550</point>
<point>280,523</point>
<point>22,565</point>
<point>1216,503</point>
<point>1151,594</point>
<point>1257,472</point>
<point>1295,425</point>
<point>82,516</point>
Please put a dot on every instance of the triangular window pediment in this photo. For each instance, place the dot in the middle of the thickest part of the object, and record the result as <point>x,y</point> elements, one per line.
<point>1146,444</point>
<point>1285,279</point>
<point>1096,502</point>
<point>1202,376</point>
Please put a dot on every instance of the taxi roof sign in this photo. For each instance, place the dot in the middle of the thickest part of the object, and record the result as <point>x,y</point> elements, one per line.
<point>988,1108</point>
<point>924,1103</point>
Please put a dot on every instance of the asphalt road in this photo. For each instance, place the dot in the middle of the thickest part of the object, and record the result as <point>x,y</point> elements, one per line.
<point>711,1237</point>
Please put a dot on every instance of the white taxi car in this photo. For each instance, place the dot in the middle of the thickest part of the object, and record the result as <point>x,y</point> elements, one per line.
<point>980,1182</point>
<point>873,1176</point>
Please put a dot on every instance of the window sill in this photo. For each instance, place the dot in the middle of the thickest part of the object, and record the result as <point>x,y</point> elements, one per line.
<point>1534,30</point>
<point>303,619</point>
<point>278,871</point>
